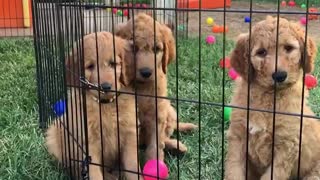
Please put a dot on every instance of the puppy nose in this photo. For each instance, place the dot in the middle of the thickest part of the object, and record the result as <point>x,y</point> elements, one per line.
<point>106,86</point>
<point>145,72</point>
<point>279,76</point>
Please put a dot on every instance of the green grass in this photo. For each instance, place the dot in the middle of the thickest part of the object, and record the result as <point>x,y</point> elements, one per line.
<point>315,3</point>
<point>22,151</point>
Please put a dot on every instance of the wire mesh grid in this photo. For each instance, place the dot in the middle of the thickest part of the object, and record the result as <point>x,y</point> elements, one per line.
<point>59,31</point>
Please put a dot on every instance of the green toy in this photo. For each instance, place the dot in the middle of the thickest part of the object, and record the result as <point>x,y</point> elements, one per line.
<point>303,6</point>
<point>119,13</point>
<point>227,113</point>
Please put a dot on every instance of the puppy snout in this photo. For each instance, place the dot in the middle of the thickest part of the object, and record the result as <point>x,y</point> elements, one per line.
<point>279,76</point>
<point>106,86</point>
<point>145,72</point>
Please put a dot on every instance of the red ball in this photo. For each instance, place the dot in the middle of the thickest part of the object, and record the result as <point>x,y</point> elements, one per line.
<point>226,63</point>
<point>291,3</point>
<point>114,10</point>
<point>138,5</point>
<point>125,12</point>
<point>284,3</point>
<point>310,81</point>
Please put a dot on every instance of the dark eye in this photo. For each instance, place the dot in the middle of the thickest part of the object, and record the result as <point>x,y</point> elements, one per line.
<point>288,48</point>
<point>262,52</point>
<point>156,49</point>
<point>90,67</point>
<point>112,63</point>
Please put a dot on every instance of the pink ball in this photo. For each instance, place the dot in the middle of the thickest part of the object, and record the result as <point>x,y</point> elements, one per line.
<point>210,39</point>
<point>150,168</point>
<point>303,20</point>
<point>233,74</point>
<point>114,10</point>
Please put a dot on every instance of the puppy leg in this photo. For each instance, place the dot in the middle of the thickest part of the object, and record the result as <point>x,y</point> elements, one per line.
<point>286,153</point>
<point>156,145</point>
<point>173,144</point>
<point>235,165</point>
<point>172,120</point>
<point>314,174</point>
<point>183,127</point>
<point>130,159</point>
<point>95,171</point>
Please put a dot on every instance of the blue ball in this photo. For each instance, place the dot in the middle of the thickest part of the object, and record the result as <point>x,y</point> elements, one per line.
<point>59,107</point>
<point>247,19</point>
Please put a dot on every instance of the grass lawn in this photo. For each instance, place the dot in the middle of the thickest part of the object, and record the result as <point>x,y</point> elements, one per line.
<point>23,155</point>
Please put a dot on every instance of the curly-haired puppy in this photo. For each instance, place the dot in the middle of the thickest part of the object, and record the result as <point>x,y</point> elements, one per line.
<point>154,49</point>
<point>102,125</point>
<point>284,80</point>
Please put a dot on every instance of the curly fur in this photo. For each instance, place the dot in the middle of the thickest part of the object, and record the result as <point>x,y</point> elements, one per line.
<point>291,59</point>
<point>57,137</point>
<point>148,38</point>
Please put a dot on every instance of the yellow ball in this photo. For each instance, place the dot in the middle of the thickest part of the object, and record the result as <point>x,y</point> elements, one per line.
<point>108,9</point>
<point>210,21</point>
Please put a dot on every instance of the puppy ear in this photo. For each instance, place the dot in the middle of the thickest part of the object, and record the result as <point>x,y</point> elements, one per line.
<point>125,53</point>
<point>72,69</point>
<point>124,30</point>
<point>311,51</point>
<point>169,48</point>
<point>240,56</point>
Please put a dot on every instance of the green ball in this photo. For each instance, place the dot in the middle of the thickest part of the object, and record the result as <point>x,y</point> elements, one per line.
<point>119,13</point>
<point>181,27</point>
<point>303,6</point>
<point>227,113</point>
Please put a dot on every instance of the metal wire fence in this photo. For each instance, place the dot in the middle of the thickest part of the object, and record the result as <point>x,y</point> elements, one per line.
<point>60,28</point>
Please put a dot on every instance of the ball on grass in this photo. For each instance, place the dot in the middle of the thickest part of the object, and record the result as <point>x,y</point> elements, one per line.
<point>119,12</point>
<point>125,12</point>
<point>210,21</point>
<point>247,19</point>
<point>310,81</point>
<point>291,3</point>
<point>303,6</point>
<point>283,3</point>
<point>225,63</point>
<point>227,113</point>
<point>303,20</point>
<point>210,39</point>
<point>114,10</point>
<point>233,74</point>
<point>59,107</point>
<point>150,170</point>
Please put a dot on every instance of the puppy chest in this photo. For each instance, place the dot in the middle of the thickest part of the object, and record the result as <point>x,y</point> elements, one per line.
<point>260,149</point>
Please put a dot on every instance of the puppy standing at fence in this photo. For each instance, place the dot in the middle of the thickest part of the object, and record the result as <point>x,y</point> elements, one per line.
<point>293,54</point>
<point>57,138</point>
<point>148,42</point>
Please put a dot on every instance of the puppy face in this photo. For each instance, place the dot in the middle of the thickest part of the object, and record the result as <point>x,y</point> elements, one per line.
<point>271,63</point>
<point>152,43</point>
<point>101,66</point>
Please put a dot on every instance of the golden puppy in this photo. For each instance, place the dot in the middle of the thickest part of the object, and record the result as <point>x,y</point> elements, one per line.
<point>288,78</point>
<point>124,146</point>
<point>154,49</point>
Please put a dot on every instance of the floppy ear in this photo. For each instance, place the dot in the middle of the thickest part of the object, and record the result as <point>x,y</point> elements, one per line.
<point>125,53</point>
<point>169,48</point>
<point>72,71</point>
<point>240,56</point>
<point>124,30</point>
<point>311,51</point>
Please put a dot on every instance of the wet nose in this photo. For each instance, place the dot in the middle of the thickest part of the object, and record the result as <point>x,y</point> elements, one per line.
<point>279,76</point>
<point>145,72</point>
<point>106,86</point>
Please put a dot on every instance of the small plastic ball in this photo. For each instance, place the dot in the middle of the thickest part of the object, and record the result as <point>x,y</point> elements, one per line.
<point>247,19</point>
<point>310,81</point>
<point>283,3</point>
<point>233,74</point>
<point>210,39</point>
<point>150,169</point>
<point>59,107</point>
<point>119,13</point>
<point>115,10</point>
<point>108,9</point>
<point>210,21</point>
<point>125,12</point>
<point>144,5</point>
<point>226,63</point>
<point>181,27</point>
<point>227,113</point>
<point>303,6</point>
<point>291,3</point>
<point>138,5</point>
<point>303,20</point>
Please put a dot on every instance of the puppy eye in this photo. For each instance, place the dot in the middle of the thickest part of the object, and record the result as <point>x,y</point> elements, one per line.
<point>288,48</point>
<point>156,49</point>
<point>262,52</point>
<point>90,67</point>
<point>112,63</point>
